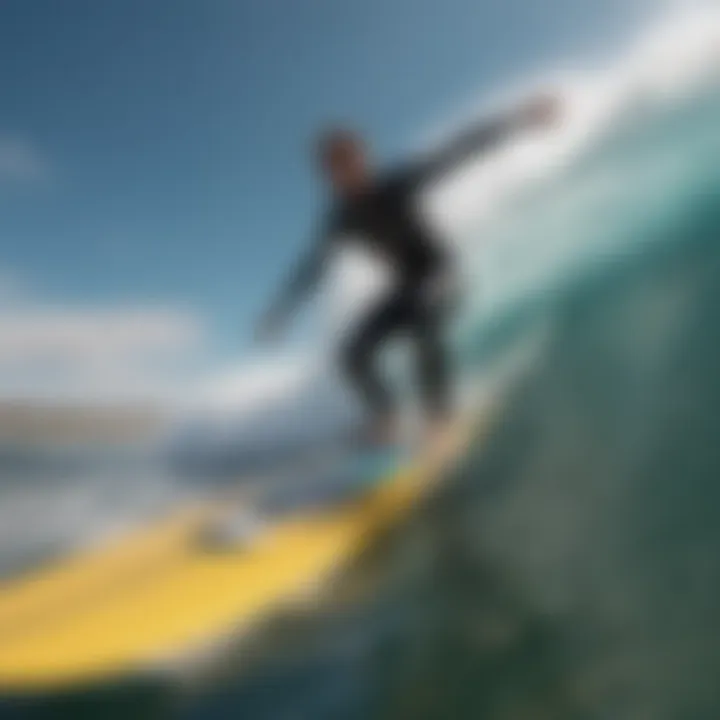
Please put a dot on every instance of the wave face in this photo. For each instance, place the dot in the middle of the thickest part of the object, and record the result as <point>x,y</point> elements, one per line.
<point>580,578</point>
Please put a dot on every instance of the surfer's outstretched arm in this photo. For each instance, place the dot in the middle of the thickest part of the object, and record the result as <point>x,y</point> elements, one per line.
<point>302,281</point>
<point>483,137</point>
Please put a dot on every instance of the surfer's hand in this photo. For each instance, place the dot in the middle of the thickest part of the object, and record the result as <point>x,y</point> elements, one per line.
<point>541,111</point>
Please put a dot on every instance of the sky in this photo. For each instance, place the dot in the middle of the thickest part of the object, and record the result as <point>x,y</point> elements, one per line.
<point>155,183</point>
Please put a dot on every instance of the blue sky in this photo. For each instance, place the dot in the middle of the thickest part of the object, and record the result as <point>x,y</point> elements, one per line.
<point>154,152</point>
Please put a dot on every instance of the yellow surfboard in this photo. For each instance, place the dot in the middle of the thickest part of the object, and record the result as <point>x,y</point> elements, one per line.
<point>158,595</point>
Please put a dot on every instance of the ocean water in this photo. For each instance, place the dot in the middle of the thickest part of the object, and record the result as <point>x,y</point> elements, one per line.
<point>569,568</point>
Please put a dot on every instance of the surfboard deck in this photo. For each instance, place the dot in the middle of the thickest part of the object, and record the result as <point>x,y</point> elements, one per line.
<point>158,595</point>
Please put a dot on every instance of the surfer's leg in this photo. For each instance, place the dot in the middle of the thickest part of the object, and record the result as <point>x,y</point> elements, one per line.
<point>432,312</point>
<point>433,369</point>
<point>433,364</point>
<point>360,356</point>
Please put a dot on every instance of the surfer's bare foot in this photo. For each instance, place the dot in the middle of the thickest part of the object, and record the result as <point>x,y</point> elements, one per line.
<point>436,430</point>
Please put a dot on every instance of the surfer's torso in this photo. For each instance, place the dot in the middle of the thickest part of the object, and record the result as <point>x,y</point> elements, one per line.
<point>386,217</point>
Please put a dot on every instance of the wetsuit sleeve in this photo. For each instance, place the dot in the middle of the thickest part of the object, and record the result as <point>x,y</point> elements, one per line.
<point>476,140</point>
<point>305,276</point>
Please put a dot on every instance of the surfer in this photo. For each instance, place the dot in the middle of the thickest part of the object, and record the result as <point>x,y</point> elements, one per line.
<point>381,209</point>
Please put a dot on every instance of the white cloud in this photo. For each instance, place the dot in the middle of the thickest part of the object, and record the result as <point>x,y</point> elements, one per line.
<point>91,336</point>
<point>96,355</point>
<point>21,161</point>
<point>91,353</point>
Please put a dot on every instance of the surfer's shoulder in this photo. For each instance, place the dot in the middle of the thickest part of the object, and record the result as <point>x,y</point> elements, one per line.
<point>399,178</point>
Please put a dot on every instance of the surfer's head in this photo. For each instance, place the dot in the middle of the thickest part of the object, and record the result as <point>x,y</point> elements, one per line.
<point>343,159</point>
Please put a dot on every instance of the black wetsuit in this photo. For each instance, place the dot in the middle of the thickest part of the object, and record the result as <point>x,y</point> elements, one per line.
<point>387,219</point>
